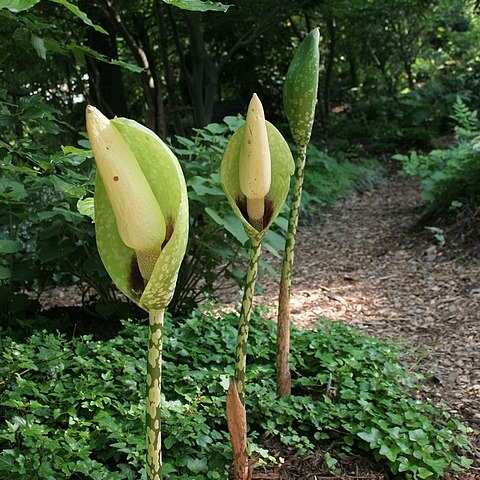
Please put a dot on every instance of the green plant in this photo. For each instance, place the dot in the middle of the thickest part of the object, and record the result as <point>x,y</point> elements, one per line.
<point>218,244</point>
<point>141,225</point>
<point>46,242</point>
<point>75,408</point>
<point>300,98</point>
<point>449,176</point>
<point>255,174</point>
<point>331,177</point>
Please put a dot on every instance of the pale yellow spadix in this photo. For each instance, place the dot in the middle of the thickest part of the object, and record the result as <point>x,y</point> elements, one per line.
<point>255,163</point>
<point>140,222</point>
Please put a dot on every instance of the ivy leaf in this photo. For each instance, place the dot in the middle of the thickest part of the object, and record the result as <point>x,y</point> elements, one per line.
<point>80,14</point>
<point>418,436</point>
<point>424,473</point>
<point>371,437</point>
<point>198,5</point>
<point>197,465</point>
<point>389,452</point>
<point>18,5</point>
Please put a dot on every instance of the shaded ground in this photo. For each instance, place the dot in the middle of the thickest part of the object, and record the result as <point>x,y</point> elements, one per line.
<point>364,264</point>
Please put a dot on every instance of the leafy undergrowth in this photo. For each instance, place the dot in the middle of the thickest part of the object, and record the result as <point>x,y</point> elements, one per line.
<point>75,409</point>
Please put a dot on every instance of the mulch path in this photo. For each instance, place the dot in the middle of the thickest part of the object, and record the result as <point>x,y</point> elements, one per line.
<point>365,262</point>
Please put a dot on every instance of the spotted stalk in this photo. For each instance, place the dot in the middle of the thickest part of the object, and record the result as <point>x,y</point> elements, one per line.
<point>154,389</point>
<point>255,174</point>
<point>299,100</point>
<point>283,325</point>
<point>141,225</point>
<point>245,312</point>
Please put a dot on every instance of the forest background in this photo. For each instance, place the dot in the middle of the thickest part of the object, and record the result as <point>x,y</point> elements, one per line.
<point>399,88</point>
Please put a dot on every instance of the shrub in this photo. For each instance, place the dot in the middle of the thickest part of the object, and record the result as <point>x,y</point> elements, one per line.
<point>450,177</point>
<point>44,241</point>
<point>75,409</point>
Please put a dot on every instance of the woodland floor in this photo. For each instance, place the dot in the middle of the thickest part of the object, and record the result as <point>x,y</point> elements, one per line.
<point>366,262</point>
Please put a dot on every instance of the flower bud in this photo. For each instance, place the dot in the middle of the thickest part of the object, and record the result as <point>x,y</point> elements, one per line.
<point>141,209</point>
<point>301,87</point>
<point>264,182</point>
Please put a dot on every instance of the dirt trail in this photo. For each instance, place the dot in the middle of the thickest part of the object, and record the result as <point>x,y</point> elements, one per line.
<point>363,265</point>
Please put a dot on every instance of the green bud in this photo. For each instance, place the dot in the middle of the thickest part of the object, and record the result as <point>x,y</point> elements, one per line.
<point>141,209</point>
<point>301,87</point>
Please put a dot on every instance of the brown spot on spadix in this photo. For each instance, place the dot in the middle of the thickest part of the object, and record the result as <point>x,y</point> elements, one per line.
<point>116,178</point>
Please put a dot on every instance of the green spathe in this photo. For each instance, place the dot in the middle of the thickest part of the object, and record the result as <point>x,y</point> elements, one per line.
<point>164,175</point>
<point>301,87</point>
<point>282,168</point>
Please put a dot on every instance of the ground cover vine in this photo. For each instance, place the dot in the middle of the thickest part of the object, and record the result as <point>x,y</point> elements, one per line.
<point>77,408</point>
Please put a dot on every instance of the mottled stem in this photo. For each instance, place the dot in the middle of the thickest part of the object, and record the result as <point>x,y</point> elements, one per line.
<point>154,384</point>
<point>245,312</point>
<point>283,322</point>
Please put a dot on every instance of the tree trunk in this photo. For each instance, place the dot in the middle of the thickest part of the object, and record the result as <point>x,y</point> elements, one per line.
<point>138,52</point>
<point>172,93</point>
<point>332,33</point>
<point>155,84</point>
<point>203,78</point>
<point>107,90</point>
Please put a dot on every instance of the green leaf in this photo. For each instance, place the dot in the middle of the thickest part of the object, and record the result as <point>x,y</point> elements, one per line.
<point>231,223</point>
<point>197,465</point>
<point>128,66</point>
<point>86,207</point>
<point>423,473</point>
<point>39,46</point>
<point>5,273</point>
<point>418,436</point>
<point>10,246</point>
<point>81,50</point>
<point>81,15</point>
<point>389,452</point>
<point>18,5</point>
<point>372,437</point>
<point>198,5</point>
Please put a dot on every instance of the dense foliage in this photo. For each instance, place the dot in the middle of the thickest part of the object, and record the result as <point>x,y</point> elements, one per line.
<point>396,77</point>
<point>450,176</point>
<point>389,80</point>
<point>74,409</point>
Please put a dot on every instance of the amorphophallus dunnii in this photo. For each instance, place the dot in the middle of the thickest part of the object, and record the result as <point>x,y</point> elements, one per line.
<point>255,175</point>
<point>141,225</point>
<point>299,100</point>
